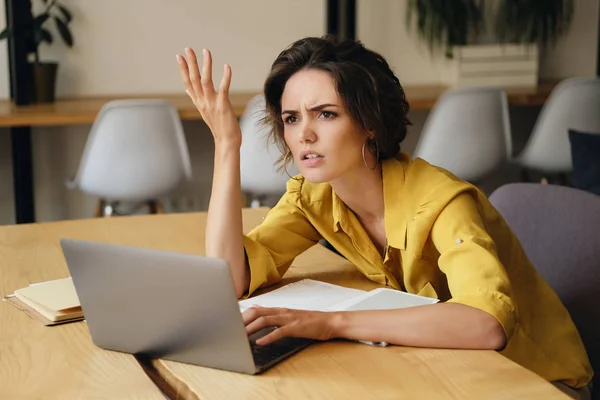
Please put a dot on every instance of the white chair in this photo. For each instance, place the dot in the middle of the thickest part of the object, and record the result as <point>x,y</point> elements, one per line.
<point>259,176</point>
<point>573,104</point>
<point>468,132</point>
<point>136,152</point>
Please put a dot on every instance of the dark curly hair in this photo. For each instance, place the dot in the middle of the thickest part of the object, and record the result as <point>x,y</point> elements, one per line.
<point>371,92</point>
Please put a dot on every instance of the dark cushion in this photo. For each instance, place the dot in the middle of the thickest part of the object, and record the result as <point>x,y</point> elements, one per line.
<point>585,152</point>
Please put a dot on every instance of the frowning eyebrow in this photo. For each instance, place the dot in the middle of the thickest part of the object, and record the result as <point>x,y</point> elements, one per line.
<point>315,108</point>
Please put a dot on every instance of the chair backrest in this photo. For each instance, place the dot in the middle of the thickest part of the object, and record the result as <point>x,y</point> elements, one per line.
<point>259,175</point>
<point>573,104</point>
<point>136,151</point>
<point>468,132</point>
<point>559,228</point>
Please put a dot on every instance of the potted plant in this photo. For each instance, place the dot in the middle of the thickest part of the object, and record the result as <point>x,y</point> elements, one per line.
<point>445,24</point>
<point>521,28</point>
<point>531,21</point>
<point>44,73</point>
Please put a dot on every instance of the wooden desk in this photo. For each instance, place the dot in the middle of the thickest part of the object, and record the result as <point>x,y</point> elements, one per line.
<point>84,110</point>
<point>59,362</point>
<point>344,370</point>
<point>62,362</point>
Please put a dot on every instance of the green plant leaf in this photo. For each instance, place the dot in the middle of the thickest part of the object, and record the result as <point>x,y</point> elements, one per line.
<point>66,13</point>
<point>40,19</point>
<point>443,24</point>
<point>46,36</point>
<point>42,35</point>
<point>64,31</point>
<point>5,34</point>
<point>533,21</point>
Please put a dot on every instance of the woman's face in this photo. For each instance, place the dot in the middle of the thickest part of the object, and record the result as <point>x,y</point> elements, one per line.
<point>325,141</point>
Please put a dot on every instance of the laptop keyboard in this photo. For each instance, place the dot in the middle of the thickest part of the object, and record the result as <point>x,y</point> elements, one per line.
<point>264,355</point>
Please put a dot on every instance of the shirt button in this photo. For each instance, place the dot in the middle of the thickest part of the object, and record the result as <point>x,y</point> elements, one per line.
<point>459,240</point>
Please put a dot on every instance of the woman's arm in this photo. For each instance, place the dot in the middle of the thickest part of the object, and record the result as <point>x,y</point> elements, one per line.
<point>224,221</point>
<point>224,238</point>
<point>442,325</point>
<point>480,314</point>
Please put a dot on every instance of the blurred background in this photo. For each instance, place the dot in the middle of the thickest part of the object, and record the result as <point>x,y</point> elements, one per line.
<point>126,49</point>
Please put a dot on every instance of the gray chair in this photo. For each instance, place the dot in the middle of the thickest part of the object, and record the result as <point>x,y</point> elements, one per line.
<point>467,132</point>
<point>136,152</point>
<point>259,177</point>
<point>559,228</point>
<point>573,104</point>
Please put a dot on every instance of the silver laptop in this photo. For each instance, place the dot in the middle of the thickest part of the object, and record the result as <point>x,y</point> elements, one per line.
<point>167,305</point>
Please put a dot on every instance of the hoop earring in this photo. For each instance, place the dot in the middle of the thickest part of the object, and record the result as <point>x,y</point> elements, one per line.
<point>365,158</point>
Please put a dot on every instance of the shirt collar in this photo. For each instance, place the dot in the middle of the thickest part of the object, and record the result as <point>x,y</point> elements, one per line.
<point>339,211</point>
<point>393,174</point>
<point>393,182</point>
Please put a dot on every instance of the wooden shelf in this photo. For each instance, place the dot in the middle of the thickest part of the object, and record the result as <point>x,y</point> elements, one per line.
<point>83,110</point>
<point>423,97</point>
<point>78,111</point>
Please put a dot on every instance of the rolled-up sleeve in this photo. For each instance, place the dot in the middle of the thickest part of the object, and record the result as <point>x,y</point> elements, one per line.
<point>285,232</point>
<point>469,259</point>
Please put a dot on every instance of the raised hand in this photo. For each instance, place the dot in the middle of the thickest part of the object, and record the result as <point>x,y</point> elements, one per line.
<point>214,106</point>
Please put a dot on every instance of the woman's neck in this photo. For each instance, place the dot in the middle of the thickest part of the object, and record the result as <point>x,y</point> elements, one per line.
<point>362,192</point>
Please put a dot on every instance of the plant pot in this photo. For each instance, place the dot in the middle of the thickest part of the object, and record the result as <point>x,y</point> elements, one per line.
<point>509,66</point>
<point>44,82</point>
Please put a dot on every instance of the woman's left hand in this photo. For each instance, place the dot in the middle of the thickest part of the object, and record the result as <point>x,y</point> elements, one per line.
<point>290,323</point>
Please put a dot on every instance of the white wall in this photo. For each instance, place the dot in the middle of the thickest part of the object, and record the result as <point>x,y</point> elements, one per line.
<point>129,46</point>
<point>125,47</point>
<point>381,26</point>
<point>575,54</point>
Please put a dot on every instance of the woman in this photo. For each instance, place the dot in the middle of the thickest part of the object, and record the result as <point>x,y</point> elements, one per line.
<point>340,114</point>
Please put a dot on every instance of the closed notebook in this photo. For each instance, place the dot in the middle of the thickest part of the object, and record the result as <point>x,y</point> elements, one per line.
<point>56,300</point>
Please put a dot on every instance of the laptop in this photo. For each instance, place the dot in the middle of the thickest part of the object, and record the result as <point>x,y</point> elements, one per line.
<point>167,305</point>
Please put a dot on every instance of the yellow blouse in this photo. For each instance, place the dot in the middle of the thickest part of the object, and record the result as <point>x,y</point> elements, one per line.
<point>446,241</point>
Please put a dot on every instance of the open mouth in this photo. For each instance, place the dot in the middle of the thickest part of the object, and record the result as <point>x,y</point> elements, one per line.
<point>311,156</point>
<point>311,159</point>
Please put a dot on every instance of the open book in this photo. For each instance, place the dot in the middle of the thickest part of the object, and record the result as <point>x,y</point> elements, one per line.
<point>49,302</point>
<point>309,294</point>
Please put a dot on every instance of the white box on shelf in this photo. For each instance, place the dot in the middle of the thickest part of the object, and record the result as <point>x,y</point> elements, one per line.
<point>511,66</point>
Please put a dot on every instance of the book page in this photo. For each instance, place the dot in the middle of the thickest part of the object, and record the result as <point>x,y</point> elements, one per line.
<point>306,294</point>
<point>383,299</point>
